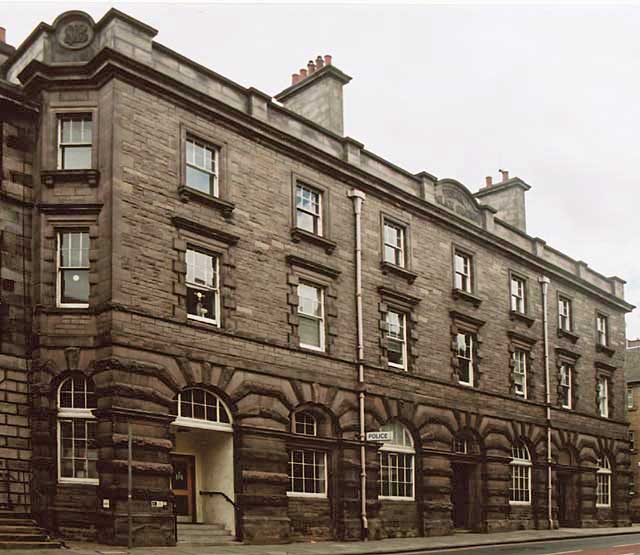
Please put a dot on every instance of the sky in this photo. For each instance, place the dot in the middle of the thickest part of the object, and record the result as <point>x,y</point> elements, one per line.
<point>551,93</point>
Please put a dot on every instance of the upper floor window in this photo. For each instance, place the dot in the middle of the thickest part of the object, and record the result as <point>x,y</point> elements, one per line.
<point>397,339</point>
<point>602,329</point>
<point>520,489</point>
<point>397,463</point>
<point>73,269</point>
<point>311,316</point>
<point>77,449</point>
<point>518,301</point>
<point>603,396</point>
<point>465,353</point>
<point>394,244</point>
<point>603,483</point>
<point>463,278</point>
<point>75,137</point>
<point>520,372</point>
<point>308,209</point>
<point>566,385</point>
<point>201,172</point>
<point>564,313</point>
<point>629,397</point>
<point>203,289</point>
<point>632,440</point>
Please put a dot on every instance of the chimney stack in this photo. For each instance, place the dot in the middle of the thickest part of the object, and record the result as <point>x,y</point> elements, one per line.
<point>507,198</point>
<point>3,35</point>
<point>488,181</point>
<point>316,93</point>
<point>505,175</point>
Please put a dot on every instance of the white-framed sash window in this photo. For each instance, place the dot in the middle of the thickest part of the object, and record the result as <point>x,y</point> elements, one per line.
<point>603,483</point>
<point>308,209</point>
<point>397,339</point>
<point>465,354</point>
<point>566,385</point>
<point>397,464</point>
<point>394,244</point>
<point>518,301</point>
<point>72,261</point>
<point>201,166</point>
<point>75,140</point>
<point>203,286</point>
<point>463,278</point>
<point>311,316</point>
<point>520,489</point>
<point>520,358</point>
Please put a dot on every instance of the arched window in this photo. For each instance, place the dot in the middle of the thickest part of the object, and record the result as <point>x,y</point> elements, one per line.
<point>397,463</point>
<point>520,490</point>
<point>198,408</point>
<point>77,451</point>
<point>603,483</point>
<point>307,466</point>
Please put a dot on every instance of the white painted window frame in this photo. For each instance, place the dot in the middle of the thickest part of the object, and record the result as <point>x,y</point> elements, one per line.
<point>191,422</point>
<point>215,151</point>
<point>60,268</point>
<point>568,385</point>
<point>61,145</point>
<point>471,359</point>
<point>521,368</point>
<point>564,313</point>
<point>518,297</point>
<point>520,464</point>
<point>603,396</point>
<point>397,446</point>
<point>603,478</point>
<point>602,327</point>
<point>320,319</point>
<point>316,452</point>
<point>68,413</point>
<point>463,278</point>
<point>402,340</point>
<point>398,250</point>
<point>215,289</point>
<point>317,218</point>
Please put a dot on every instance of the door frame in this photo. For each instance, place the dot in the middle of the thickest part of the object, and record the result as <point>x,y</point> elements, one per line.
<point>194,489</point>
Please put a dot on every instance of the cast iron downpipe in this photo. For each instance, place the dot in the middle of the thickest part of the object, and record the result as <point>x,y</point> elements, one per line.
<point>544,283</point>
<point>358,198</point>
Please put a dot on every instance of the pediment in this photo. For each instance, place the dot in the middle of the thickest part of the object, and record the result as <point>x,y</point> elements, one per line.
<point>455,197</point>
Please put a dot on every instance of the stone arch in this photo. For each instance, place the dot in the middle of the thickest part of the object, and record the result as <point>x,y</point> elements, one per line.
<point>222,395</point>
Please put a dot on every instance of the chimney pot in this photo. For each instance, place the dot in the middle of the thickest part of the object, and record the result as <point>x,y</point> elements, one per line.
<point>303,73</point>
<point>505,174</point>
<point>3,35</point>
<point>488,181</point>
<point>294,78</point>
<point>319,62</point>
<point>327,59</point>
<point>311,67</point>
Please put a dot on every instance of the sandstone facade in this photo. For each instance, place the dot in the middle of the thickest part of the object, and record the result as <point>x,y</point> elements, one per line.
<point>136,345</point>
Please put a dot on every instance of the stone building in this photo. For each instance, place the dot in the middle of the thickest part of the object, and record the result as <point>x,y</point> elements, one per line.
<point>251,293</point>
<point>632,375</point>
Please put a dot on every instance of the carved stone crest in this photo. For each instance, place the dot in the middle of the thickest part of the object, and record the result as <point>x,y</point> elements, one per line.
<point>74,30</point>
<point>455,197</point>
<point>76,35</point>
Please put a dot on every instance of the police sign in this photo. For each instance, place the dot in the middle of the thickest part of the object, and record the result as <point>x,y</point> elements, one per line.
<point>380,436</point>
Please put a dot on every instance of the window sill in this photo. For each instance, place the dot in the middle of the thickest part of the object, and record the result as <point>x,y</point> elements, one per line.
<point>520,503</point>
<point>79,481</point>
<point>311,348</point>
<point>389,268</point>
<point>299,234</point>
<point>606,350</point>
<point>397,367</point>
<point>207,321</point>
<point>52,177</point>
<point>187,194</point>
<point>568,335</point>
<point>466,296</point>
<point>396,498</point>
<point>465,384</point>
<point>515,315</point>
<point>307,495</point>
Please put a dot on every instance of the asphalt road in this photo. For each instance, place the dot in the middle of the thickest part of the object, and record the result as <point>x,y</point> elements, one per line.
<point>603,545</point>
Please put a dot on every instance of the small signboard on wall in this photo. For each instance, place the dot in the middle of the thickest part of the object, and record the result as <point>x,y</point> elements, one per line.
<point>380,436</point>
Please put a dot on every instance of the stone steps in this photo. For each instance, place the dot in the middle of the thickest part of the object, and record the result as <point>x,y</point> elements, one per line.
<point>19,531</point>
<point>204,534</point>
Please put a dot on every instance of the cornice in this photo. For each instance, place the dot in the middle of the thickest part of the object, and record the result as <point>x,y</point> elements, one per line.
<point>201,229</point>
<point>109,64</point>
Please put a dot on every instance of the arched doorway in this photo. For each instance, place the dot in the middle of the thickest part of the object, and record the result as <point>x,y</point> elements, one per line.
<point>466,483</point>
<point>202,458</point>
<point>567,487</point>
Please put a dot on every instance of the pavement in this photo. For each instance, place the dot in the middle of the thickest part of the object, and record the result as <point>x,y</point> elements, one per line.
<point>485,544</point>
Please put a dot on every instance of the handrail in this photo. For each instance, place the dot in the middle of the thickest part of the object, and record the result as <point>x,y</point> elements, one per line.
<point>219,493</point>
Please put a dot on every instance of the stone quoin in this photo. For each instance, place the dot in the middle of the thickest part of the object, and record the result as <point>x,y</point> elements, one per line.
<point>253,292</point>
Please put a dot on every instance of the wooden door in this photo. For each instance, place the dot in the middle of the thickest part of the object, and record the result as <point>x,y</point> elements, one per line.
<point>183,485</point>
<point>460,496</point>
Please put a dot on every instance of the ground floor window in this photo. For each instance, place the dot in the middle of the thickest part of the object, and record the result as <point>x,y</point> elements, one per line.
<point>603,483</point>
<point>307,472</point>
<point>396,474</point>
<point>520,490</point>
